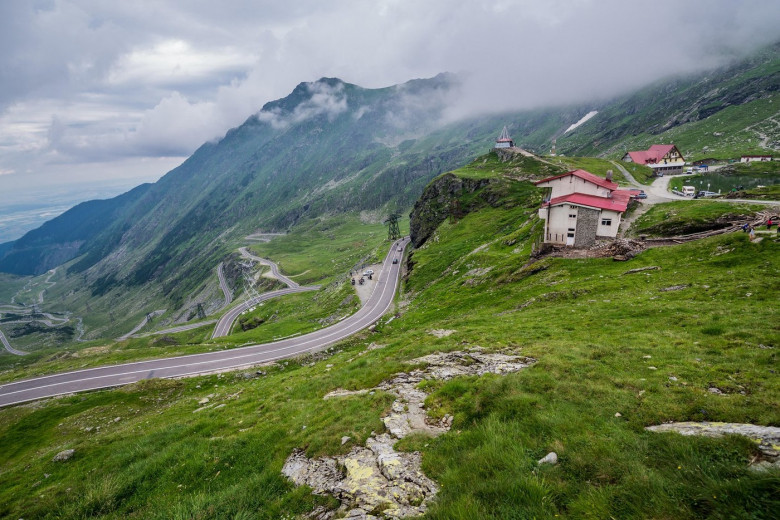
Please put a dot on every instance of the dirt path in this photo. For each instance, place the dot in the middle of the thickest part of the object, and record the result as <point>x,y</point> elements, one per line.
<point>764,143</point>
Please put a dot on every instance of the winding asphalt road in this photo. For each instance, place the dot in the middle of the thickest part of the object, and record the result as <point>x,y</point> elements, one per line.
<point>223,285</point>
<point>8,346</point>
<point>117,375</point>
<point>225,323</point>
<point>274,268</point>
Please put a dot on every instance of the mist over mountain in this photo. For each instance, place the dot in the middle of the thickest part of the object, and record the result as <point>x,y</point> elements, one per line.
<point>330,148</point>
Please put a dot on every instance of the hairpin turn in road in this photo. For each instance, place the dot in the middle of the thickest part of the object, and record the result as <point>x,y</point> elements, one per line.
<point>181,366</point>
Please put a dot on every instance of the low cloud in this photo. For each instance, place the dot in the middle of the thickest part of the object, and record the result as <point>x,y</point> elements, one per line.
<point>85,81</point>
<point>330,100</point>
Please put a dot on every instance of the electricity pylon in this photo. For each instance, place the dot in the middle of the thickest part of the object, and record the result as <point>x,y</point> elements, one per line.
<point>393,231</point>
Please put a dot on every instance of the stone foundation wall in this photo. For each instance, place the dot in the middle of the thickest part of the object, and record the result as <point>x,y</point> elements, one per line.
<point>587,224</point>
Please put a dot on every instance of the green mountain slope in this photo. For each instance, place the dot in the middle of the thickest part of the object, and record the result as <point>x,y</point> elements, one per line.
<point>616,351</point>
<point>61,238</point>
<point>722,113</point>
<point>332,148</point>
<point>327,149</point>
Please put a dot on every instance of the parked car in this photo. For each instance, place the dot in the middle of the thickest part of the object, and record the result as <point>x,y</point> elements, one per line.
<point>641,195</point>
<point>368,272</point>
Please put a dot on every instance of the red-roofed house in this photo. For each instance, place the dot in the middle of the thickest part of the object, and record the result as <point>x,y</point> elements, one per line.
<point>662,158</point>
<point>581,208</point>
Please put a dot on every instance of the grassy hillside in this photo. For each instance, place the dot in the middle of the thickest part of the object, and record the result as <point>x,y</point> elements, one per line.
<point>691,216</point>
<point>319,251</point>
<point>371,151</point>
<point>616,351</point>
<point>722,113</point>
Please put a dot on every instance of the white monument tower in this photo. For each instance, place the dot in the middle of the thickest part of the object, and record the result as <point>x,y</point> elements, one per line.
<point>504,141</point>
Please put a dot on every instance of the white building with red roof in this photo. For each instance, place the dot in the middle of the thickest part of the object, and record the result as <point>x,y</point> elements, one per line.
<point>582,208</point>
<point>662,158</point>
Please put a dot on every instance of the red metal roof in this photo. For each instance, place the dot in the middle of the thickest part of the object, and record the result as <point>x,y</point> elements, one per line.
<point>618,204</point>
<point>586,176</point>
<point>652,155</point>
<point>624,195</point>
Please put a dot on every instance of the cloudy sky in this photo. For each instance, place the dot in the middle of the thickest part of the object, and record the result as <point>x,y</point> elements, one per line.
<point>107,91</point>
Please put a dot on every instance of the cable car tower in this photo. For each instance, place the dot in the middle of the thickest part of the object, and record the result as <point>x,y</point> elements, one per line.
<point>393,231</point>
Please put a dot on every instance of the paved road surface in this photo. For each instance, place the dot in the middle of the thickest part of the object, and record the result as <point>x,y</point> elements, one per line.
<point>274,268</point>
<point>223,285</point>
<point>141,325</point>
<point>180,328</point>
<point>225,323</point>
<point>110,376</point>
<point>8,346</point>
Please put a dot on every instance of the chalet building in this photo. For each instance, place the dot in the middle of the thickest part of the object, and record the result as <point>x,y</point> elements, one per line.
<point>755,158</point>
<point>662,158</point>
<point>581,208</point>
<point>504,141</point>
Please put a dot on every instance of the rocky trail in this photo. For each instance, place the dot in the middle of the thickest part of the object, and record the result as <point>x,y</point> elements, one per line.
<point>376,481</point>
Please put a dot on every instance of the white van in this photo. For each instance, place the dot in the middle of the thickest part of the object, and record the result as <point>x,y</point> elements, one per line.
<point>689,191</point>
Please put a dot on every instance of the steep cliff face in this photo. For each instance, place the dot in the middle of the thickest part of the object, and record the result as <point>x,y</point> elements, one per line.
<point>443,198</point>
<point>499,178</point>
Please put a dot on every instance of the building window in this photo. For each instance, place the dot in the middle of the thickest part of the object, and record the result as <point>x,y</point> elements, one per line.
<point>572,215</point>
<point>606,222</point>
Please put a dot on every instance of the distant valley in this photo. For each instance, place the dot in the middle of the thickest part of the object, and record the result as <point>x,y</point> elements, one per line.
<point>336,152</point>
<point>26,209</point>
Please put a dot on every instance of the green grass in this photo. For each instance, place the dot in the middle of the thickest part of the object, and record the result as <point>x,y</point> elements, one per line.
<point>643,174</point>
<point>296,314</point>
<point>730,133</point>
<point>765,193</point>
<point>762,168</point>
<point>10,285</point>
<point>589,324</point>
<point>318,252</point>
<point>490,166</point>
<point>681,217</point>
<point>324,249</point>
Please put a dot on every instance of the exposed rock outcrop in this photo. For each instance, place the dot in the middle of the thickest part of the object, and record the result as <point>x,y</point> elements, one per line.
<point>767,437</point>
<point>376,481</point>
<point>64,455</point>
<point>436,204</point>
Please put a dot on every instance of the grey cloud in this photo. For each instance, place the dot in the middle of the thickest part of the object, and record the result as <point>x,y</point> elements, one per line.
<point>88,66</point>
<point>330,100</point>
